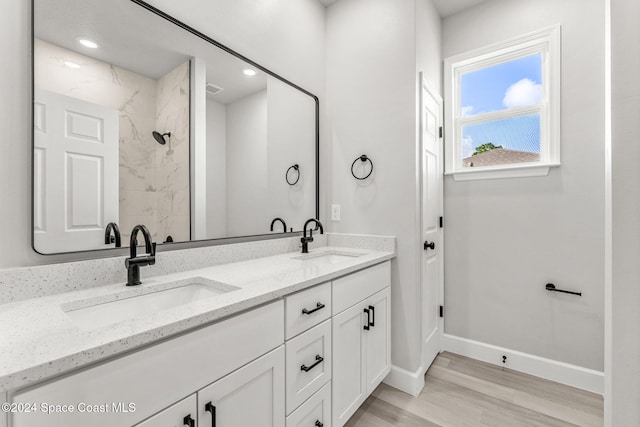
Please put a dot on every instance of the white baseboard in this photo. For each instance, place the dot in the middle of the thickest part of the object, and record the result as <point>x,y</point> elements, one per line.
<point>407,381</point>
<point>565,373</point>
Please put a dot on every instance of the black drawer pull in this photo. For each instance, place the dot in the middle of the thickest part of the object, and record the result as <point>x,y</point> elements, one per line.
<point>319,360</point>
<point>210,408</point>
<point>373,315</point>
<point>188,421</point>
<point>318,423</point>
<point>319,306</point>
<point>366,327</point>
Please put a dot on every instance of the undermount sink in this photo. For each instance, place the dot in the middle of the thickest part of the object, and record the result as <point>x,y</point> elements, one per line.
<point>94,313</point>
<point>329,257</point>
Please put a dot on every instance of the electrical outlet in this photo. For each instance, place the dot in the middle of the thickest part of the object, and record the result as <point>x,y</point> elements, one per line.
<point>335,212</point>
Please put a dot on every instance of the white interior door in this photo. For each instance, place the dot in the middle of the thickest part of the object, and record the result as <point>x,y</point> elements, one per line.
<point>75,172</point>
<point>432,189</point>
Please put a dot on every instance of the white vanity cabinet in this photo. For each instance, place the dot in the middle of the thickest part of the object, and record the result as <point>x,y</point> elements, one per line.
<point>156,377</point>
<point>361,338</point>
<point>309,359</point>
<point>251,396</point>
<point>179,414</point>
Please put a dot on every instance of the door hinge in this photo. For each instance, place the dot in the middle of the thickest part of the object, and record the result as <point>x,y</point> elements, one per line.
<point>441,311</point>
<point>441,222</point>
<point>440,131</point>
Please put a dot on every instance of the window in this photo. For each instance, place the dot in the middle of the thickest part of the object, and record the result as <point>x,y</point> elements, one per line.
<point>503,108</point>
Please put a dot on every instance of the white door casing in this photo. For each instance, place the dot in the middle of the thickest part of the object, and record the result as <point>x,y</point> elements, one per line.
<point>431,207</point>
<point>75,173</point>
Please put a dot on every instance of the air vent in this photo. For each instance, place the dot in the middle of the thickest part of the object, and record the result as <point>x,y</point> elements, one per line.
<point>213,89</point>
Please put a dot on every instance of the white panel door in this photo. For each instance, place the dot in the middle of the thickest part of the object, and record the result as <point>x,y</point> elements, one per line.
<point>349,385</point>
<point>432,201</point>
<point>378,339</point>
<point>251,396</point>
<point>75,172</point>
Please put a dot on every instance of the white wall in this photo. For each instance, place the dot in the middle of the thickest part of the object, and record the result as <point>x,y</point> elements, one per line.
<point>246,154</point>
<point>291,140</point>
<point>371,96</point>
<point>286,36</point>
<point>625,40</point>
<point>505,239</point>
<point>216,169</point>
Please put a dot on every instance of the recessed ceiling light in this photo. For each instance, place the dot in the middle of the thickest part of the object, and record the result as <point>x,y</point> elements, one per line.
<point>87,42</point>
<point>249,72</point>
<point>71,64</point>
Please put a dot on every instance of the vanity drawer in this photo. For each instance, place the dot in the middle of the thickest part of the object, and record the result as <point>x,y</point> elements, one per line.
<point>159,375</point>
<point>308,365</point>
<point>355,287</point>
<point>307,308</point>
<point>316,409</point>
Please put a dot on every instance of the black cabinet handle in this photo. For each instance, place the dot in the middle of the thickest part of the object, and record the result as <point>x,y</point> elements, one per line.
<point>188,421</point>
<point>373,315</point>
<point>366,327</point>
<point>319,360</point>
<point>210,408</point>
<point>319,306</point>
<point>318,423</point>
<point>429,245</point>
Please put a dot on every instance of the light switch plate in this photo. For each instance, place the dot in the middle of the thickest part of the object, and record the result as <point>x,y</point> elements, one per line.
<point>335,212</point>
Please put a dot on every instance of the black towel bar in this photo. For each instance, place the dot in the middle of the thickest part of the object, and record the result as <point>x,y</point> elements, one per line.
<point>551,287</point>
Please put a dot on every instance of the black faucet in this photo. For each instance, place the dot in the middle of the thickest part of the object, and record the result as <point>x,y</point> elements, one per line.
<point>108,238</point>
<point>134,262</point>
<point>305,240</point>
<point>282,221</point>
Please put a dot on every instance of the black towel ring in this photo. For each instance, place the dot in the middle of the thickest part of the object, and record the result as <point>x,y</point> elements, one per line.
<point>362,158</point>
<point>286,175</point>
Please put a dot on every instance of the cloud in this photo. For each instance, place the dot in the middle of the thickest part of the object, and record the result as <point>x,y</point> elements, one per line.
<point>467,146</point>
<point>466,110</point>
<point>522,93</point>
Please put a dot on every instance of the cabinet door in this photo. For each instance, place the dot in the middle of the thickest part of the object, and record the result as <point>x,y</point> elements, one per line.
<point>183,413</point>
<point>251,396</point>
<point>349,387</point>
<point>378,339</point>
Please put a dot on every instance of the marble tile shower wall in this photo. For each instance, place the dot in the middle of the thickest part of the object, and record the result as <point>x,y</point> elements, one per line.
<point>153,179</point>
<point>172,215</point>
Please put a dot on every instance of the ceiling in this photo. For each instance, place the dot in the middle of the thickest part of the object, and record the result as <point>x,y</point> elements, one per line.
<point>444,7</point>
<point>137,40</point>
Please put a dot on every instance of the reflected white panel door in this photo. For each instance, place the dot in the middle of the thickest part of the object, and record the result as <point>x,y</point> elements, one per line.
<point>75,173</point>
<point>432,201</point>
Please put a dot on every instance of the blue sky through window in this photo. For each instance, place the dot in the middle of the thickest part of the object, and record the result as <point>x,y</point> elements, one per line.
<point>510,84</point>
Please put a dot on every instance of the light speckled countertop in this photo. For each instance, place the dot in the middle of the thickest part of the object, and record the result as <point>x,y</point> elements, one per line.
<point>39,340</point>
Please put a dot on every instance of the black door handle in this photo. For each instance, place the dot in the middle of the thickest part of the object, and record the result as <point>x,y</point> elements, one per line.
<point>210,408</point>
<point>319,360</point>
<point>429,245</point>
<point>373,315</point>
<point>188,421</point>
<point>319,306</point>
<point>318,423</point>
<point>366,327</point>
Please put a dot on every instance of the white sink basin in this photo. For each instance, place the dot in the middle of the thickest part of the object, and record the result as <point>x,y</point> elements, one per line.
<point>328,257</point>
<point>93,313</point>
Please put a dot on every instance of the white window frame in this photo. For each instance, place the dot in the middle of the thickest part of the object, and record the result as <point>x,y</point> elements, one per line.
<point>546,42</point>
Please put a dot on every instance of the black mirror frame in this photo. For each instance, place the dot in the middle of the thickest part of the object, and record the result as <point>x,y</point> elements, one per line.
<point>114,252</point>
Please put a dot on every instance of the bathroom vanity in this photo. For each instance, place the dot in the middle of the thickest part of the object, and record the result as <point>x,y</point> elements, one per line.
<point>284,340</point>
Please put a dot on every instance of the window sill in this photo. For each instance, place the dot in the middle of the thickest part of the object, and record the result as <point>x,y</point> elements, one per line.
<point>519,171</point>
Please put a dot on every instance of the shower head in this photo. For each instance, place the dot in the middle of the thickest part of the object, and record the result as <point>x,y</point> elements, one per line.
<point>160,137</point>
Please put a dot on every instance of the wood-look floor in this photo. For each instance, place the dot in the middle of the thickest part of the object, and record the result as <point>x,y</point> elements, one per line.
<point>462,392</point>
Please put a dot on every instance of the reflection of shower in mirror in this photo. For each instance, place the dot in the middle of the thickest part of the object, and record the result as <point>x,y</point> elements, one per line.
<point>160,137</point>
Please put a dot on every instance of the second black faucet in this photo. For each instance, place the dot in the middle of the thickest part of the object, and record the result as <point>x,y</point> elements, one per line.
<point>305,240</point>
